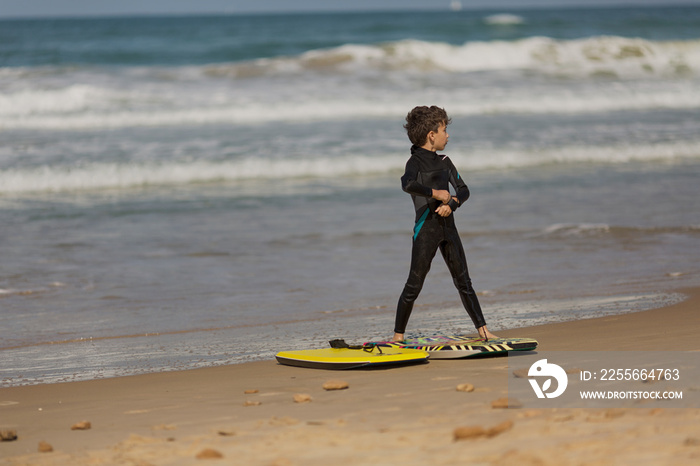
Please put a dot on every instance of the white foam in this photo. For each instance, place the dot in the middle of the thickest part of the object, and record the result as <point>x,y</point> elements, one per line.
<point>114,176</point>
<point>363,104</point>
<point>614,154</point>
<point>576,229</point>
<point>72,99</point>
<point>504,19</point>
<point>100,176</point>
<point>621,56</point>
<point>362,81</point>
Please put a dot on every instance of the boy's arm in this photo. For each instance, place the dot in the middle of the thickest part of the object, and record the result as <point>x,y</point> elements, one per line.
<point>461,190</point>
<point>409,181</point>
<point>410,184</point>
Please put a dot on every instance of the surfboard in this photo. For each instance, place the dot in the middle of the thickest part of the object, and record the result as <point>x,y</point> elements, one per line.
<point>351,358</point>
<point>458,346</point>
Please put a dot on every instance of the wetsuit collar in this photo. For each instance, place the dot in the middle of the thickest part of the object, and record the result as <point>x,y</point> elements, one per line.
<point>417,150</point>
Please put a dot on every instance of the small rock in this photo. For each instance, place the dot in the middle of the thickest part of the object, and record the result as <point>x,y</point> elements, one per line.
<point>45,447</point>
<point>250,392</point>
<point>520,373</point>
<point>82,425</point>
<point>499,428</point>
<point>465,387</point>
<point>302,398</point>
<point>8,435</point>
<point>252,403</point>
<point>226,432</point>
<point>504,403</point>
<point>209,454</point>
<point>335,385</point>
<point>467,432</point>
<point>692,442</point>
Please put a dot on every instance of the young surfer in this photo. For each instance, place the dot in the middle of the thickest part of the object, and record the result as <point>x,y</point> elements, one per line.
<point>427,179</point>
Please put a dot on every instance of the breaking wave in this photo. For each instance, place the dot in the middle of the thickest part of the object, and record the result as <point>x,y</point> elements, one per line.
<point>580,57</point>
<point>361,81</point>
<point>105,176</point>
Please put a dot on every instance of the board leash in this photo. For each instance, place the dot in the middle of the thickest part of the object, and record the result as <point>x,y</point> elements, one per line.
<point>341,344</point>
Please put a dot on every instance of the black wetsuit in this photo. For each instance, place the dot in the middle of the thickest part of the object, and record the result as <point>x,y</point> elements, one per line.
<point>425,171</point>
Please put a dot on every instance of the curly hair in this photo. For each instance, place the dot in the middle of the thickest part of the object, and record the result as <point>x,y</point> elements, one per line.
<point>422,120</point>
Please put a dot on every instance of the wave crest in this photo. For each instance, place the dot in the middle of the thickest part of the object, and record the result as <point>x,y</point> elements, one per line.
<point>350,81</point>
<point>504,19</point>
<point>581,57</point>
<point>106,176</point>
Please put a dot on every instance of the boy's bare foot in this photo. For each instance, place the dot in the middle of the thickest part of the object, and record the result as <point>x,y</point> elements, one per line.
<point>398,337</point>
<point>485,334</point>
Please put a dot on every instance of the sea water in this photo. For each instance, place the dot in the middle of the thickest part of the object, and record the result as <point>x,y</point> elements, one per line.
<point>180,192</point>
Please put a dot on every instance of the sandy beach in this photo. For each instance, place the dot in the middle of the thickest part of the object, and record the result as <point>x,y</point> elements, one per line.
<point>247,413</point>
<point>184,195</point>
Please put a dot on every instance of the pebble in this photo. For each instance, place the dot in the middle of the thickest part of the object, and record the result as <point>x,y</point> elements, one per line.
<point>82,425</point>
<point>7,435</point>
<point>335,385</point>
<point>692,442</point>
<point>250,392</point>
<point>302,398</point>
<point>499,428</point>
<point>465,387</point>
<point>463,433</point>
<point>45,447</point>
<point>252,403</point>
<point>209,454</point>
<point>504,403</point>
<point>470,432</point>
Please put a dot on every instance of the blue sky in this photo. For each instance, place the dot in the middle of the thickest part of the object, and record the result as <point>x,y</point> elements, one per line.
<point>40,8</point>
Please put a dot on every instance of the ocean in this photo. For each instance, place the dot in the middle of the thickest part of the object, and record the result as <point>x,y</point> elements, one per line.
<point>183,192</point>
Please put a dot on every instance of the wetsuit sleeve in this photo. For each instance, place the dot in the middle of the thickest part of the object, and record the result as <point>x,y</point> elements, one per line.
<point>409,181</point>
<point>461,189</point>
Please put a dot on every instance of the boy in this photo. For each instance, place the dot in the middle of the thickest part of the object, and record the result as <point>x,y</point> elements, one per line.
<point>427,180</point>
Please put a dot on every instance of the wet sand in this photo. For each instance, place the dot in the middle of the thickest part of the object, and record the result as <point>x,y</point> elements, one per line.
<point>247,413</point>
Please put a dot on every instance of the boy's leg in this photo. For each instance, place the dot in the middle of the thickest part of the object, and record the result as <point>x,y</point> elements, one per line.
<point>425,246</point>
<point>453,253</point>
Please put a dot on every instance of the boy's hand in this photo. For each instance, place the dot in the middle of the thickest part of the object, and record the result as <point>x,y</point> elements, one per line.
<point>442,195</point>
<point>444,210</point>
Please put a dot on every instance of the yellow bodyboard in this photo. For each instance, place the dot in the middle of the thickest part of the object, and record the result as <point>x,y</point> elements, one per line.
<point>347,358</point>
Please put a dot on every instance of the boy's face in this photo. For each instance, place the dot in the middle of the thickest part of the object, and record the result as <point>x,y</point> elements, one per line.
<point>439,139</point>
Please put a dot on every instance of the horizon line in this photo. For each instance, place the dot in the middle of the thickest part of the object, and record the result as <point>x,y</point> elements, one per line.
<point>447,9</point>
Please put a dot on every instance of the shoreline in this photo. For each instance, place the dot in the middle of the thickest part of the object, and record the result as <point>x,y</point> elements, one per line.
<point>109,356</point>
<point>406,414</point>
